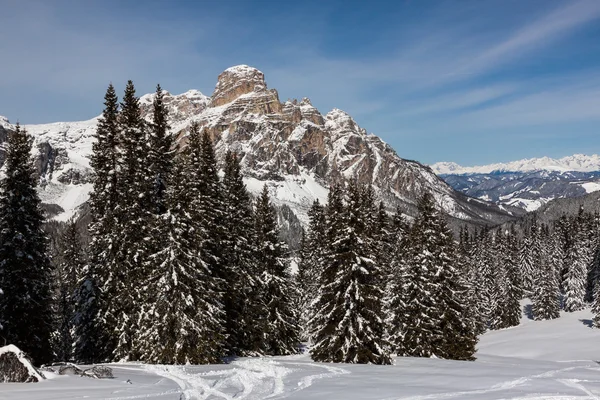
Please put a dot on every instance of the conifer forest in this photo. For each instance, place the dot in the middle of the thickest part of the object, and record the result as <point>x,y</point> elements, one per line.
<point>174,262</point>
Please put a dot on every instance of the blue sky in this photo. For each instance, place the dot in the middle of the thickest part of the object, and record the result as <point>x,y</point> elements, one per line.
<point>473,82</point>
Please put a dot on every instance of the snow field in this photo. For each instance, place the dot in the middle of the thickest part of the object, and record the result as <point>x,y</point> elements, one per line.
<point>537,360</point>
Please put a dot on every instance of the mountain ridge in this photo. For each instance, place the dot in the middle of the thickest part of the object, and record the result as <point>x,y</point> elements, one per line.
<point>572,163</point>
<point>289,146</point>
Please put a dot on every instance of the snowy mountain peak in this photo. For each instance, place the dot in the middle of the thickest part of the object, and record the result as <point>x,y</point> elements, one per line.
<point>305,102</point>
<point>237,81</point>
<point>574,163</point>
<point>242,70</point>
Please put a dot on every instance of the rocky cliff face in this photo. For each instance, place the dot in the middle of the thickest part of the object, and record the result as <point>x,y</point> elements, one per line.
<point>291,147</point>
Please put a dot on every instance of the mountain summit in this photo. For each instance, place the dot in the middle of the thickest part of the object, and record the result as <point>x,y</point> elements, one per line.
<point>291,147</point>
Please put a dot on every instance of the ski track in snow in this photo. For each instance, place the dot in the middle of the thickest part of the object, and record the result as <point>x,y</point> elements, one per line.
<point>254,379</point>
<point>502,386</point>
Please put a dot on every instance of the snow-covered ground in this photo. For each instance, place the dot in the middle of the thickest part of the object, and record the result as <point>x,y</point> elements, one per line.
<point>537,360</point>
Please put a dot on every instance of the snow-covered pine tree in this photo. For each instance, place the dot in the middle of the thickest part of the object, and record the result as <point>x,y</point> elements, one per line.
<point>484,278</point>
<point>564,235</point>
<point>508,274</point>
<point>528,259</point>
<point>385,237</point>
<point>282,328</point>
<point>310,266</point>
<point>596,307</point>
<point>457,337</point>
<point>323,305</point>
<point>25,270</point>
<point>546,297</point>
<point>302,281</point>
<point>398,229</point>
<point>68,274</point>
<point>89,338</point>
<point>594,266</point>
<point>576,263</point>
<point>498,278</point>
<point>418,327</point>
<point>95,320</point>
<point>160,152</point>
<point>349,324</point>
<point>133,220</point>
<point>207,206</point>
<point>434,303</point>
<point>398,320</point>
<point>593,275</point>
<point>181,321</point>
<point>245,309</point>
<point>512,303</point>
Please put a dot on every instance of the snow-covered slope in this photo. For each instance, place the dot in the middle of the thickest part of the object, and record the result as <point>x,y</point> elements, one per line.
<point>291,147</point>
<point>576,163</point>
<point>543,360</point>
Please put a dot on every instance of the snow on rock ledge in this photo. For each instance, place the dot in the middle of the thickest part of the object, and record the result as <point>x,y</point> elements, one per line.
<point>15,366</point>
<point>5,123</point>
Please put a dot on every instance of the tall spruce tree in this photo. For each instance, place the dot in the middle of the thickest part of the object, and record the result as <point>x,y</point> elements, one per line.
<point>182,322</point>
<point>310,266</point>
<point>484,280</point>
<point>207,206</point>
<point>513,292</point>
<point>528,259</point>
<point>90,343</point>
<point>160,152</point>
<point>68,275</point>
<point>133,216</point>
<point>272,260</point>
<point>245,309</point>
<point>498,277</point>
<point>349,323</point>
<point>301,280</point>
<point>467,274</point>
<point>95,322</point>
<point>506,291</point>
<point>434,307</point>
<point>25,270</point>
<point>397,320</point>
<point>596,306</point>
<point>546,296</point>
<point>575,280</point>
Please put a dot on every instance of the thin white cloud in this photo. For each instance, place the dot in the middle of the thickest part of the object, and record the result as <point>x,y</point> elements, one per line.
<point>539,34</point>
<point>456,100</point>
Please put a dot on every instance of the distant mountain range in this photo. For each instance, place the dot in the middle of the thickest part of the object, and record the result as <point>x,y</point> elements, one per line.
<point>528,183</point>
<point>574,163</point>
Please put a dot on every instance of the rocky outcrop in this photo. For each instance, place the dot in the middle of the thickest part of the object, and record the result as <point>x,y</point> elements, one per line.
<point>15,366</point>
<point>277,141</point>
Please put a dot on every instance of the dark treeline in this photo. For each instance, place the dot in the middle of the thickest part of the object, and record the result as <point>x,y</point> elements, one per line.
<point>178,263</point>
